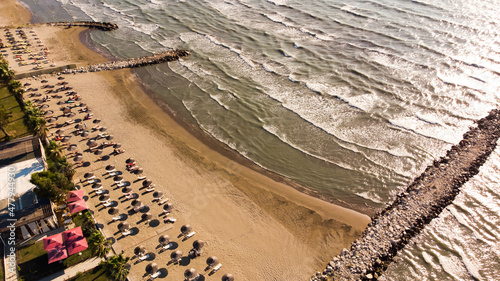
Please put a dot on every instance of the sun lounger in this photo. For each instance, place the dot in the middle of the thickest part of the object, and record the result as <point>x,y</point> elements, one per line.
<point>98,191</point>
<point>163,201</point>
<point>189,235</point>
<point>45,228</point>
<point>68,221</point>
<point>169,219</point>
<point>149,189</point>
<point>117,218</point>
<point>60,207</point>
<point>217,267</point>
<point>125,233</point>
<point>156,274</point>
<point>143,257</point>
<point>70,121</point>
<point>168,246</point>
<point>25,233</point>
<point>107,204</point>
<point>65,215</point>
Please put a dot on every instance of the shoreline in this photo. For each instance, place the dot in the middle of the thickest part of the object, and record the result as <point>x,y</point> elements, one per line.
<point>270,214</point>
<point>222,148</point>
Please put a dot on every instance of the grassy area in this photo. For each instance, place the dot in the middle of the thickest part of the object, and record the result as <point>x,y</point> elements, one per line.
<point>34,265</point>
<point>98,273</point>
<point>2,276</point>
<point>16,127</point>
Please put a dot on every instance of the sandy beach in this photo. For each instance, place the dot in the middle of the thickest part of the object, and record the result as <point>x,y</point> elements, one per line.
<point>259,228</point>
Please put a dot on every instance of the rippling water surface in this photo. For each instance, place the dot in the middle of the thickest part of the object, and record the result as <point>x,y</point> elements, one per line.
<point>352,99</point>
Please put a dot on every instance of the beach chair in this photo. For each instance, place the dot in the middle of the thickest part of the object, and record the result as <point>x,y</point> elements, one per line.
<point>163,201</point>
<point>44,226</point>
<point>117,218</point>
<point>189,235</point>
<point>216,268</point>
<point>149,189</point>
<point>107,204</point>
<point>98,191</point>
<point>153,276</point>
<point>25,233</point>
<point>143,257</point>
<point>169,219</point>
<point>125,233</point>
<point>168,246</point>
<point>68,221</point>
<point>60,207</point>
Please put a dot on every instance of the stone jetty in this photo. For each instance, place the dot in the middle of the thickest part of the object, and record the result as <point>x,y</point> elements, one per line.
<point>423,200</point>
<point>131,63</point>
<point>105,26</point>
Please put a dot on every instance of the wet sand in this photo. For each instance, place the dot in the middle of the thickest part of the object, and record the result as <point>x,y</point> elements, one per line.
<point>259,228</point>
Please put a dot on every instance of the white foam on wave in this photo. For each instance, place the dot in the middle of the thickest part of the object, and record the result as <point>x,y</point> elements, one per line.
<point>372,196</point>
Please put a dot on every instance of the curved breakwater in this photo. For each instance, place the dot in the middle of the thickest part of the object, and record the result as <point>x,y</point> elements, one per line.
<point>423,200</point>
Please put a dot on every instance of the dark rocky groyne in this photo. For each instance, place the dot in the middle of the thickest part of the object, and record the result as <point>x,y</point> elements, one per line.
<point>106,26</point>
<point>422,201</point>
<point>133,62</point>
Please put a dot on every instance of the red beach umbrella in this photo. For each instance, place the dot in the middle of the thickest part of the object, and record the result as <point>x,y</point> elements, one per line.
<point>57,254</point>
<point>77,246</point>
<point>75,195</point>
<point>72,235</point>
<point>52,242</point>
<point>77,206</point>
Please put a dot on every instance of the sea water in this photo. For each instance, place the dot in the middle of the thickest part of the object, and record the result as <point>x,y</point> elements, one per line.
<point>351,99</point>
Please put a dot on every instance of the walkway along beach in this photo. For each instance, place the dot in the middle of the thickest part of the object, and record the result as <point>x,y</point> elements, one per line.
<point>423,200</point>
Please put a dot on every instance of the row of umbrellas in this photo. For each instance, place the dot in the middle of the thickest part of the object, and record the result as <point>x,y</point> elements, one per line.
<point>75,200</point>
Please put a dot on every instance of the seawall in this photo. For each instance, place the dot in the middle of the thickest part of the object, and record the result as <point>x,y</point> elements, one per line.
<point>422,201</point>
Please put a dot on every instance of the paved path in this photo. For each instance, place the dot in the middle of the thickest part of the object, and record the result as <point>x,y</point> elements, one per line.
<point>72,271</point>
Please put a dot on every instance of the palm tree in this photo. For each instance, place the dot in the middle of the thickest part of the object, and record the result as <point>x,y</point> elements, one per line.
<point>98,244</point>
<point>14,86</point>
<point>54,150</point>
<point>6,74</point>
<point>117,267</point>
<point>5,115</point>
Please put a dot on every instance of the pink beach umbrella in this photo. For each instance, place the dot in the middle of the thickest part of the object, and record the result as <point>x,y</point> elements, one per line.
<point>57,254</point>
<point>52,242</point>
<point>77,246</point>
<point>72,235</point>
<point>77,206</point>
<point>75,195</point>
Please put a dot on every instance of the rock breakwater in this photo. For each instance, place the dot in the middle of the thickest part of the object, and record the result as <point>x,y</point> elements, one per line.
<point>423,200</point>
<point>133,62</point>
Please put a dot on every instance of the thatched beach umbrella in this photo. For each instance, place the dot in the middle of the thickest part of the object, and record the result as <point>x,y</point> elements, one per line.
<point>168,207</point>
<point>85,134</point>
<point>48,113</point>
<point>88,175</point>
<point>66,139</point>
<point>212,261</point>
<point>136,203</point>
<point>60,78</point>
<point>139,171</point>
<point>123,226</point>
<point>139,250</point>
<point>147,216</point>
<point>110,168</point>
<point>185,229</point>
<point>98,152</point>
<point>92,143</point>
<point>190,273</point>
<point>118,178</point>
<point>110,137</point>
<point>130,161</point>
<point>113,211</point>
<point>157,194</point>
<point>227,277</point>
<point>103,129</point>
<point>96,121</point>
<point>164,239</point>
<point>176,255</point>
<point>126,190</point>
<point>44,106</point>
<point>152,268</point>
<point>147,183</point>
<point>60,132</point>
<point>97,185</point>
<point>79,126</point>
<point>104,197</point>
<point>78,159</point>
<point>198,244</point>
<point>51,120</point>
<point>66,109</point>
<point>71,114</point>
<point>117,145</point>
<point>72,147</point>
